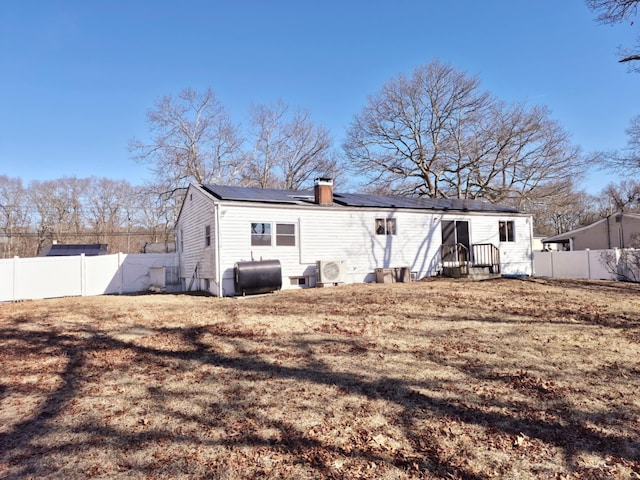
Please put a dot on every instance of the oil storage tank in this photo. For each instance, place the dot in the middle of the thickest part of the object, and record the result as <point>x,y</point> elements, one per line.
<point>262,276</point>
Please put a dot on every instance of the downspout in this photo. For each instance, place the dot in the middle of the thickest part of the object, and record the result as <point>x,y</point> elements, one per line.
<point>608,234</point>
<point>216,208</point>
<point>621,230</point>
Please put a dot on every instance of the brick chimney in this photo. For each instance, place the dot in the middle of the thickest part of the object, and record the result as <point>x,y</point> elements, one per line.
<point>323,190</point>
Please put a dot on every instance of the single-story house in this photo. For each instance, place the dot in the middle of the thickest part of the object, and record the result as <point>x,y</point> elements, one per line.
<point>67,249</point>
<point>324,237</point>
<point>618,230</point>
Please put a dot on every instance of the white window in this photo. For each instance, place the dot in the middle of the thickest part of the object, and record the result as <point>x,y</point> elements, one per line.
<point>285,234</point>
<point>207,236</point>
<point>385,226</point>
<point>261,234</point>
<point>507,232</point>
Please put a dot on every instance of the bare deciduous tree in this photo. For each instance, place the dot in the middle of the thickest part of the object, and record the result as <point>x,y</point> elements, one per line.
<point>81,210</point>
<point>289,149</point>
<point>558,208</point>
<point>407,135</point>
<point>617,11</point>
<point>519,154</point>
<point>268,145</point>
<point>624,263</point>
<point>107,210</point>
<point>623,196</point>
<point>59,206</point>
<point>14,218</point>
<point>437,134</point>
<point>626,160</point>
<point>156,213</point>
<point>613,11</point>
<point>193,140</point>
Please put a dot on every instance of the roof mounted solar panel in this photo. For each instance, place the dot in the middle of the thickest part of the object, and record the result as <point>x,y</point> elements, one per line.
<point>306,197</point>
<point>254,194</point>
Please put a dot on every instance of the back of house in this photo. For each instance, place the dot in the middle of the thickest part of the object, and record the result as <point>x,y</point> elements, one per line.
<point>322,237</point>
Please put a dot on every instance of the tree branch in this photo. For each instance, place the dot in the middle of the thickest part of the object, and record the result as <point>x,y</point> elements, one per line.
<point>630,58</point>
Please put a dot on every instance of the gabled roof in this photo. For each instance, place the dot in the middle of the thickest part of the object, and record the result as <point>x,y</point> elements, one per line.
<point>62,249</point>
<point>564,237</point>
<point>306,197</point>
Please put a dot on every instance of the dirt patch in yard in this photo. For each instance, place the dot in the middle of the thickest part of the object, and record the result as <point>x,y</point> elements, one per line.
<point>509,378</point>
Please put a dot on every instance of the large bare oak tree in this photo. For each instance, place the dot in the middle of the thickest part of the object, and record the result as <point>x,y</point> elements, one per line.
<point>617,11</point>
<point>625,160</point>
<point>437,133</point>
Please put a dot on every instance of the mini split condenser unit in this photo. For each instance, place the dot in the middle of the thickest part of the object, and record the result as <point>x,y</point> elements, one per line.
<point>331,271</point>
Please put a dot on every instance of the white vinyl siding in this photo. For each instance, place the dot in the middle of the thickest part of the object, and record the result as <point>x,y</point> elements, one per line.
<point>300,235</point>
<point>330,234</point>
<point>197,213</point>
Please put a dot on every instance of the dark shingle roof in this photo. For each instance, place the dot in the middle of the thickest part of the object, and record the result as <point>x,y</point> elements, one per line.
<point>306,197</point>
<point>254,194</point>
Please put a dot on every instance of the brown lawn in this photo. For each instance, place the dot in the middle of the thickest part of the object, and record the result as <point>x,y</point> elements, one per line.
<point>518,379</point>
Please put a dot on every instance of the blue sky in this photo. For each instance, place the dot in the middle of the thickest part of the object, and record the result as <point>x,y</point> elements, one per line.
<point>77,77</point>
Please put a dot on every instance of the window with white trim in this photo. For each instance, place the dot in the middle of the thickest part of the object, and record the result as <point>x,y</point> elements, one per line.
<point>285,234</point>
<point>261,234</point>
<point>385,226</point>
<point>507,231</point>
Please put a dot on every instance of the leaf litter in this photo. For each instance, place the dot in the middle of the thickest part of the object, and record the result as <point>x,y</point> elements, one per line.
<point>512,378</point>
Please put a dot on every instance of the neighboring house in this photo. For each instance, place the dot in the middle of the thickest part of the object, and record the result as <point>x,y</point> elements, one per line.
<point>356,235</point>
<point>619,230</point>
<point>66,249</point>
<point>538,246</point>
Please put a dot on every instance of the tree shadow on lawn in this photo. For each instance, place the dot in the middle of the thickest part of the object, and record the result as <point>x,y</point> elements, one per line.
<point>20,443</point>
<point>626,288</point>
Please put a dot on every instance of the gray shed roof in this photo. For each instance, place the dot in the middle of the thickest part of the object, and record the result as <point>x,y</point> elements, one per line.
<point>306,197</point>
<point>65,249</point>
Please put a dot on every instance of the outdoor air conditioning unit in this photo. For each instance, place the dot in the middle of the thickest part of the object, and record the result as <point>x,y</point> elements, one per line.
<point>331,271</point>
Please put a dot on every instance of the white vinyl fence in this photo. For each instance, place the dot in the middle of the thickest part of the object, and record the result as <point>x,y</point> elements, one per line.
<point>49,277</point>
<point>587,264</point>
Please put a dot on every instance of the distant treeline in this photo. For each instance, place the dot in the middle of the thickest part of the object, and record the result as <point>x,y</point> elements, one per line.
<point>80,210</point>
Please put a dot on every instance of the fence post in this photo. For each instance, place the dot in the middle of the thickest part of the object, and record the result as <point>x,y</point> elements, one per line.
<point>15,278</point>
<point>121,272</point>
<point>83,287</point>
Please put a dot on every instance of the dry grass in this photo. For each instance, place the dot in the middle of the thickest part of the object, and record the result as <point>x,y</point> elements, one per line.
<point>515,379</point>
